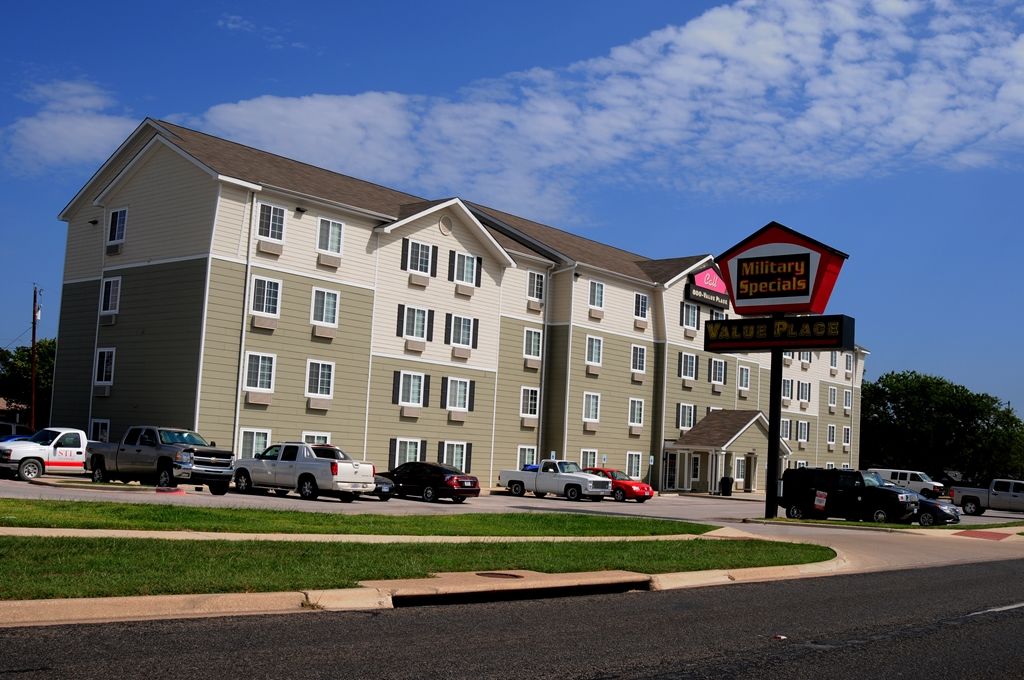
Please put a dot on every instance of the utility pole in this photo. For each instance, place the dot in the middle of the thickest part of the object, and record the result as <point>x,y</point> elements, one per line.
<point>35,318</point>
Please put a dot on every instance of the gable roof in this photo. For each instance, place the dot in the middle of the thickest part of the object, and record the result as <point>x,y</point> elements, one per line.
<point>666,270</point>
<point>457,205</point>
<point>719,429</point>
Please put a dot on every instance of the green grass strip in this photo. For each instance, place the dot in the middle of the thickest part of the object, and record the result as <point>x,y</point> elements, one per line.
<point>160,517</point>
<point>36,568</point>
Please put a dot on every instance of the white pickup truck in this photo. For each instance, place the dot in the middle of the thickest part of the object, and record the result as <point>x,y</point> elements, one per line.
<point>52,449</point>
<point>558,477</point>
<point>309,469</point>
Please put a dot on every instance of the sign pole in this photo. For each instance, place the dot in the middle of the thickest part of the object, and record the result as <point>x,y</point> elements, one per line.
<point>771,500</point>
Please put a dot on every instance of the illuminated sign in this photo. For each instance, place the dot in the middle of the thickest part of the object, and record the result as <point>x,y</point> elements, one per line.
<point>708,287</point>
<point>791,333</point>
<point>773,276</point>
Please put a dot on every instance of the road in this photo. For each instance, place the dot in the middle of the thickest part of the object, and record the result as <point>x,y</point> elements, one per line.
<point>910,624</point>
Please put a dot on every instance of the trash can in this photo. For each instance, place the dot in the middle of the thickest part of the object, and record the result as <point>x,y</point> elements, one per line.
<point>725,486</point>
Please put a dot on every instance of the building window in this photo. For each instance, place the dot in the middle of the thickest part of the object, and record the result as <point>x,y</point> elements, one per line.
<point>741,468</point>
<point>531,343</point>
<point>594,347</point>
<point>105,366</point>
<point>462,331</point>
<point>253,442</point>
<point>455,454</point>
<point>316,437</point>
<point>845,466</point>
<point>633,464</point>
<point>259,372</point>
<point>526,455</point>
<point>464,268</point>
<point>266,296</point>
<point>787,355</point>
<point>832,393</point>
<point>411,392</point>
<point>801,464</point>
<point>802,430</point>
<point>784,428</point>
<point>847,399</point>
<point>407,451</point>
<point>591,406</point>
<point>416,323</point>
<point>688,366</point>
<point>319,379</point>
<point>743,379</point>
<point>695,468</point>
<point>596,294</point>
<point>639,359</point>
<point>118,221</point>
<point>846,435</point>
<point>685,415</point>
<point>787,388</point>
<point>805,356</point>
<point>833,359</point>
<point>535,286</point>
<point>830,466</point>
<point>640,303</point>
<point>329,237</point>
<point>271,222</point>
<point>849,362</point>
<point>99,430</point>
<point>636,412</point>
<point>529,402</point>
<point>588,458</point>
<point>718,314</point>
<point>419,257</point>
<point>830,436</point>
<point>325,307</point>
<point>718,371</point>
<point>803,390</point>
<point>458,394</point>
<point>111,300</point>
<point>691,315</point>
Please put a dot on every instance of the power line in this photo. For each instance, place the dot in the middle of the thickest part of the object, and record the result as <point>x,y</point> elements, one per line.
<point>18,338</point>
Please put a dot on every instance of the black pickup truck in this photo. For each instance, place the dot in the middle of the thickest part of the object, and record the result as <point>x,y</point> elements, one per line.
<point>850,494</point>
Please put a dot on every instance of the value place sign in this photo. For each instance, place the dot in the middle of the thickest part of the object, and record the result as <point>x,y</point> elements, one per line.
<point>788,333</point>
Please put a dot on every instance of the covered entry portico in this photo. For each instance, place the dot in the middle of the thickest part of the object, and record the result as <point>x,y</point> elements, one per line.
<point>725,443</point>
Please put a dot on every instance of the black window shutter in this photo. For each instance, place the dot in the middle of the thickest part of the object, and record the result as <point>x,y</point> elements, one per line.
<point>400,331</point>
<point>405,254</point>
<point>479,270</point>
<point>423,450</point>
<point>426,390</point>
<point>447,328</point>
<point>440,452</point>
<point>476,331</point>
<point>392,453</point>
<point>451,265</point>
<point>682,313</point>
<point>396,386</point>
<point>680,369</point>
<point>696,367</point>
<point>679,416</point>
<point>430,325</point>
<point>709,368</point>
<point>444,392</point>
<point>472,394</point>
<point>698,317</point>
<point>469,457</point>
<point>433,260</point>
<point>725,372</point>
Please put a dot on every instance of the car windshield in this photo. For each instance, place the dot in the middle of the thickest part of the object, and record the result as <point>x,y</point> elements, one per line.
<point>925,477</point>
<point>44,437</point>
<point>872,479</point>
<point>620,475</point>
<point>568,466</point>
<point>182,437</point>
<point>332,452</point>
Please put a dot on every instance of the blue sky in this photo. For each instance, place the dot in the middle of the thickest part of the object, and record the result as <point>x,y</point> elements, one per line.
<point>891,130</point>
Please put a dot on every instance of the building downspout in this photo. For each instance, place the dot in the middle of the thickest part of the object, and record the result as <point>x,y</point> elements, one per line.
<point>236,434</point>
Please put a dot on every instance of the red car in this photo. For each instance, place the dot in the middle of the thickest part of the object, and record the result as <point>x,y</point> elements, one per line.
<point>624,486</point>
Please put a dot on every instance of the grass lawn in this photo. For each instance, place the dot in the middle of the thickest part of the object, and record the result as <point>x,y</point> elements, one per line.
<point>88,515</point>
<point>36,568</point>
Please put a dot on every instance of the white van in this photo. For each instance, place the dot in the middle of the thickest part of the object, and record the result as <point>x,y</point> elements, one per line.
<point>911,479</point>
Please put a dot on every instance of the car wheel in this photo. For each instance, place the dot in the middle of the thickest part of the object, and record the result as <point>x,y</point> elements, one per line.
<point>218,488</point>
<point>795,512</point>
<point>970,507</point>
<point>880,516</point>
<point>517,489</point>
<point>572,493</point>
<point>243,484</point>
<point>30,468</point>
<point>540,494</point>
<point>620,495</point>
<point>459,499</point>
<point>926,519</point>
<point>308,490</point>
<point>99,473</point>
<point>281,493</point>
<point>429,494</point>
<point>165,477</point>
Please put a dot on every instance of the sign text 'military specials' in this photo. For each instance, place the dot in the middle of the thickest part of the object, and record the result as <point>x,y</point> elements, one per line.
<point>773,276</point>
<point>797,332</point>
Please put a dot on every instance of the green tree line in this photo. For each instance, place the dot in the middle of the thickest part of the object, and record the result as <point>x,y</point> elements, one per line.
<point>16,380</point>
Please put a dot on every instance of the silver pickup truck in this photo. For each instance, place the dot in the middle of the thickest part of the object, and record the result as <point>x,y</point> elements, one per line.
<point>558,477</point>
<point>164,454</point>
<point>309,469</point>
<point>1001,494</point>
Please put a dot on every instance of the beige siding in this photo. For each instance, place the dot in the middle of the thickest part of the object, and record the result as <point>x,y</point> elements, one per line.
<point>560,292</point>
<point>618,306</point>
<point>230,234</point>
<point>513,291</point>
<point>83,254</point>
<point>509,432</point>
<point>72,375</point>
<point>224,313</point>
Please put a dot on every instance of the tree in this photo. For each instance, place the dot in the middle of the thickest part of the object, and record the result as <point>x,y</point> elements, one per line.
<point>16,379</point>
<point>923,422</point>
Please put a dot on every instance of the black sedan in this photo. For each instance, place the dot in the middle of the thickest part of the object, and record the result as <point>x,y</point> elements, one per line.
<point>931,511</point>
<point>383,489</point>
<point>432,481</point>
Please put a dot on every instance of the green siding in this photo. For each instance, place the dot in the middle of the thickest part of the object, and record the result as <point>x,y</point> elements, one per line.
<point>72,375</point>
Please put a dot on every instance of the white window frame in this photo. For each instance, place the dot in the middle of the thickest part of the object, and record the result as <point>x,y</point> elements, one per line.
<point>636,405</point>
<point>692,359</point>
<point>635,352</point>
<point>849,362</point>
<point>847,435</point>
<point>330,224</point>
<point>743,377</point>
<point>845,466</point>
<point>450,448</point>
<point>787,388</point>
<point>534,400</point>
<point>100,351</point>
<point>413,311</point>
<point>595,300</point>
<point>805,356</point>
<point>833,359</point>
<point>527,333</point>
<point>803,430</point>
<point>641,306</point>
<point>687,408</point>
<point>634,461</point>
<point>253,450</point>
<point>588,454</point>
<point>453,394</point>
<point>463,322</point>
<point>717,371</point>
<point>801,464</point>
<point>330,387</point>
<point>121,228</point>
<point>596,397</point>
<point>833,396</point>
<point>259,222</point>
<point>276,314</point>
<point>273,371</point>
<point>847,398</point>
<point>691,310</point>
<point>466,260</point>
<point>598,342</point>
<point>718,314</point>
<point>316,437</point>
<point>739,461</point>
<point>830,434</point>
<point>113,283</point>
<point>103,433</point>
<point>526,454</point>
<point>402,447</point>
<point>785,429</point>
<point>312,307</point>
<point>411,376</point>
<point>535,281</point>
<point>419,245</point>
<point>694,468</point>
<point>803,391</point>
<point>830,465</point>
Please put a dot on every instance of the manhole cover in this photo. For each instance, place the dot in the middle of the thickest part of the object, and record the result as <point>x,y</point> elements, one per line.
<point>496,574</point>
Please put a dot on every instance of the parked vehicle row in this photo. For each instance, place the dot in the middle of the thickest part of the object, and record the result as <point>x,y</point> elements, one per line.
<point>558,477</point>
<point>308,469</point>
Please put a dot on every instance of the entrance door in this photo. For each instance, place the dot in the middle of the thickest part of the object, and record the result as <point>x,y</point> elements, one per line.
<point>671,468</point>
